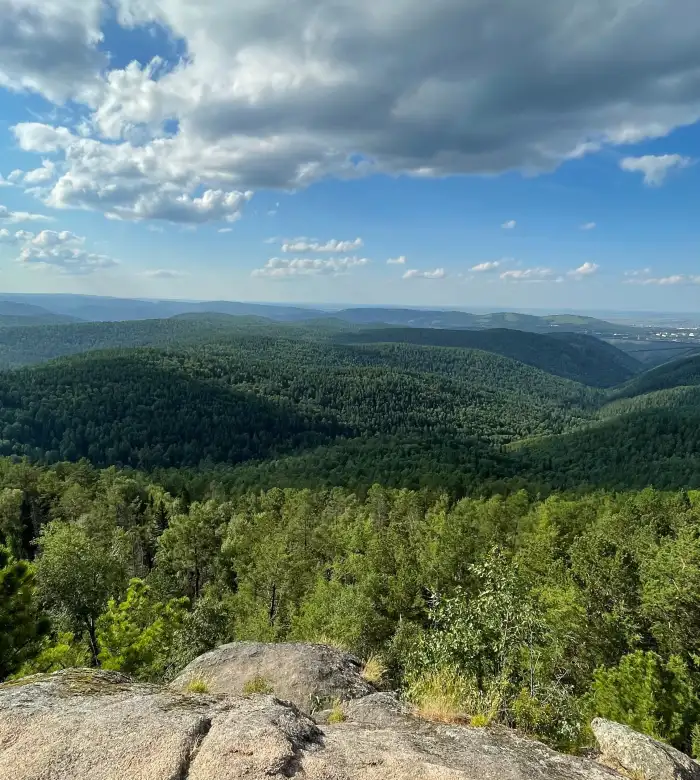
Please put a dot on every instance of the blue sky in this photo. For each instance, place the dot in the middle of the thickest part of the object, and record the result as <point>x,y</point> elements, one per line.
<point>500,155</point>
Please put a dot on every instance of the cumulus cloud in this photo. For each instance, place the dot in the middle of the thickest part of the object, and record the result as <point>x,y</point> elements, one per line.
<point>588,226</point>
<point>50,47</point>
<point>492,265</point>
<point>12,217</point>
<point>509,225</point>
<point>271,98</point>
<point>4,182</point>
<point>587,269</point>
<point>61,251</point>
<point>655,168</point>
<point>285,267</point>
<point>538,274</point>
<point>438,273</point>
<point>304,245</point>
<point>41,175</point>
<point>401,260</point>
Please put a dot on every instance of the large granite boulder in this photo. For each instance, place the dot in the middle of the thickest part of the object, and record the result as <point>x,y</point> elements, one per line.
<point>91,725</point>
<point>310,676</point>
<point>641,756</point>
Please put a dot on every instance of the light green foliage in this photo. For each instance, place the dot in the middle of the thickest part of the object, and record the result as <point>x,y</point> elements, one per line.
<point>336,715</point>
<point>200,685</point>
<point>671,590</point>
<point>257,685</point>
<point>495,609</point>
<point>78,572</point>
<point>137,636</point>
<point>63,651</point>
<point>21,624</point>
<point>652,696</point>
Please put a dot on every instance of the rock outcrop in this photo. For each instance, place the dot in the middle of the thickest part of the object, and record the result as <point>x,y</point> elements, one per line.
<point>641,756</point>
<point>310,676</point>
<point>91,725</point>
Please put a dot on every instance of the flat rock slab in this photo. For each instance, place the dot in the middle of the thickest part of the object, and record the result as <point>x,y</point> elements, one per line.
<point>640,755</point>
<point>310,676</point>
<point>92,725</point>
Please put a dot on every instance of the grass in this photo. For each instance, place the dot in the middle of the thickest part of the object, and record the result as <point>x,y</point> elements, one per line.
<point>197,685</point>
<point>374,671</point>
<point>336,714</point>
<point>439,695</point>
<point>446,696</point>
<point>257,684</point>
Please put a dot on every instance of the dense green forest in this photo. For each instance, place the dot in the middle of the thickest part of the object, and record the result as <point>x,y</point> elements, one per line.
<point>570,355</point>
<point>479,525</point>
<point>536,614</point>
<point>323,404</point>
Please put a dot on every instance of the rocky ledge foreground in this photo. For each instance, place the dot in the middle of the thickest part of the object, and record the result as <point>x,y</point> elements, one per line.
<point>81,724</point>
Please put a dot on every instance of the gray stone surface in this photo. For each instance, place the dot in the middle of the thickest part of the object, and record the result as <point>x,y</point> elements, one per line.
<point>91,725</point>
<point>642,756</point>
<point>310,676</point>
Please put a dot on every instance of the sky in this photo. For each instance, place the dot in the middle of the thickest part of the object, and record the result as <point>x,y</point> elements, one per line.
<point>452,153</point>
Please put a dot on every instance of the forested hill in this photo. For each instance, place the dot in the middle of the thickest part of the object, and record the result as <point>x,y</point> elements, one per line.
<point>574,356</point>
<point>264,397</point>
<point>677,373</point>
<point>13,313</point>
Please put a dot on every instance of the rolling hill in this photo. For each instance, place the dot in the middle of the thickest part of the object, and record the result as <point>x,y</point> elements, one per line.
<point>574,356</point>
<point>13,313</point>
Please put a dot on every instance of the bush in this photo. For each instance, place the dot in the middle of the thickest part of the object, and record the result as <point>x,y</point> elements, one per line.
<point>651,696</point>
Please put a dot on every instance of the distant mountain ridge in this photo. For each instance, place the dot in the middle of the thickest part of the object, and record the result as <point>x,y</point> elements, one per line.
<point>104,309</point>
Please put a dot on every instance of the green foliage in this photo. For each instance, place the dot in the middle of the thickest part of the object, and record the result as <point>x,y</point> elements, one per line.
<point>197,686</point>
<point>257,684</point>
<point>63,651</point>
<point>137,636</point>
<point>78,572</point>
<point>21,624</point>
<point>649,694</point>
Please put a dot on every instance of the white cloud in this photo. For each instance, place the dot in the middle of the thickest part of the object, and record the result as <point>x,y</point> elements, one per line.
<point>655,168</point>
<point>438,273</point>
<point>12,217</point>
<point>588,226</point>
<point>41,175</point>
<point>305,245</point>
<point>164,273</point>
<point>61,251</point>
<point>284,267</point>
<point>280,98</point>
<point>509,225</point>
<point>38,137</point>
<point>587,269</point>
<point>638,272</point>
<point>491,265</point>
<point>401,260</point>
<point>538,274</point>
<point>225,230</point>
<point>663,281</point>
<point>5,183</point>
